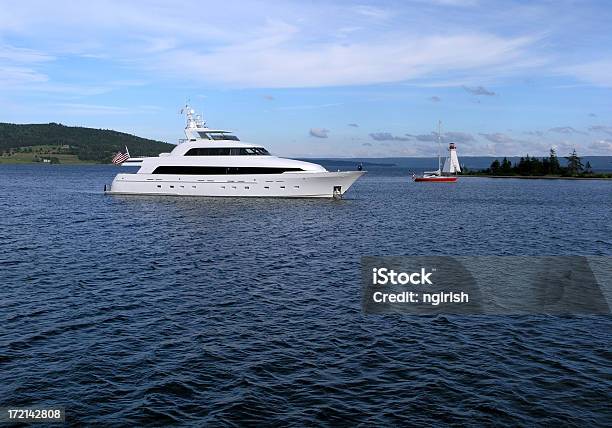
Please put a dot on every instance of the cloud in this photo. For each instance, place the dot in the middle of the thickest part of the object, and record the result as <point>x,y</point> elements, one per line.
<point>566,130</point>
<point>367,144</point>
<point>426,137</point>
<point>435,99</point>
<point>268,97</point>
<point>592,115</point>
<point>456,3</point>
<point>21,67</point>
<point>319,132</point>
<point>80,109</point>
<point>594,72</point>
<point>354,125</point>
<point>601,128</point>
<point>296,44</point>
<point>500,138</point>
<point>602,147</point>
<point>372,12</point>
<point>479,90</point>
<point>458,137</point>
<point>16,77</point>
<point>507,145</point>
<point>446,137</point>
<point>309,106</point>
<point>21,55</point>
<point>280,58</point>
<point>387,136</point>
<point>293,45</point>
<point>534,133</point>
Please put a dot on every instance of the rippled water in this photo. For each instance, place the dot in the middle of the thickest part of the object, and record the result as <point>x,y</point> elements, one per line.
<point>153,310</point>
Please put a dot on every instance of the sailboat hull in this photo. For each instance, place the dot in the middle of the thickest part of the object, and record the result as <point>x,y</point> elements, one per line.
<point>435,179</point>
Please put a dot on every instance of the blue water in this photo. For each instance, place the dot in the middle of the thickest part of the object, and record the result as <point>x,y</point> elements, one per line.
<point>161,310</point>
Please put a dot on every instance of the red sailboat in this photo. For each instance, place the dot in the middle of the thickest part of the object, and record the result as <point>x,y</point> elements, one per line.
<point>451,166</point>
<point>435,179</point>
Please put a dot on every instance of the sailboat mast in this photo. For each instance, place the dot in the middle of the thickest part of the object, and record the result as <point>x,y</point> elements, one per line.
<point>439,147</point>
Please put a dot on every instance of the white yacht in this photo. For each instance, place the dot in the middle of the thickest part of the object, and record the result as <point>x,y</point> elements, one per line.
<point>213,162</point>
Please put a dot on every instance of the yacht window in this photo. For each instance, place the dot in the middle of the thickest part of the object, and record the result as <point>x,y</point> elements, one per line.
<point>224,137</point>
<point>219,170</point>
<point>226,151</point>
<point>209,151</point>
<point>218,136</point>
<point>254,151</point>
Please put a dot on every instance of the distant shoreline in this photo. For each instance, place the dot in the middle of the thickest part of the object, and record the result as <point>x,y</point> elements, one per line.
<point>535,177</point>
<point>18,162</point>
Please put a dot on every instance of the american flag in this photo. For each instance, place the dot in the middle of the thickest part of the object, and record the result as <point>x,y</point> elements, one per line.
<point>121,157</point>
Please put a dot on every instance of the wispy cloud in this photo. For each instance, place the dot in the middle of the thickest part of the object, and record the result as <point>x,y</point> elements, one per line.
<point>594,72</point>
<point>319,132</point>
<point>601,128</point>
<point>372,12</point>
<point>601,147</point>
<point>458,137</point>
<point>286,63</point>
<point>296,45</point>
<point>534,133</point>
<point>387,136</point>
<point>508,145</point>
<point>566,130</point>
<point>435,99</point>
<point>11,77</point>
<point>499,137</point>
<point>353,125</point>
<point>446,137</point>
<point>479,90</point>
<point>21,55</point>
<point>80,109</point>
<point>21,67</point>
<point>308,106</point>
<point>458,3</point>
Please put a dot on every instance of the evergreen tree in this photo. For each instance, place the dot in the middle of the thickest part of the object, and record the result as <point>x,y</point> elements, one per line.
<point>545,166</point>
<point>524,166</point>
<point>574,164</point>
<point>537,167</point>
<point>506,167</point>
<point>495,167</point>
<point>554,167</point>
<point>588,169</point>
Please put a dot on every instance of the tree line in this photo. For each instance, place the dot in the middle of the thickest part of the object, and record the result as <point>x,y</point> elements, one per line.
<point>534,166</point>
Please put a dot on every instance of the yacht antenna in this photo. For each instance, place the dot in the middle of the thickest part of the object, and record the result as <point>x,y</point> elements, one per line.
<point>189,113</point>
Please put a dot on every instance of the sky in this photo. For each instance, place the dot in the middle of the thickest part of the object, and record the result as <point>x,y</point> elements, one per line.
<point>320,78</point>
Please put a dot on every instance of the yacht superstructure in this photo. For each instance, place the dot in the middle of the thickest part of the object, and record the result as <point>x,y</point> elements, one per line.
<point>214,162</point>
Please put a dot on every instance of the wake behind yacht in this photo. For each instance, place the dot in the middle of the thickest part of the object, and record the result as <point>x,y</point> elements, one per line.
<point>214,162</point>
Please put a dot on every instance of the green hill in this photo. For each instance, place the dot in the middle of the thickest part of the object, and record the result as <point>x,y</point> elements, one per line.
<point>27,143</point>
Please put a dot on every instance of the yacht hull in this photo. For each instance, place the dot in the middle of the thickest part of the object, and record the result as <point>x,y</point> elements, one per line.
<point>286,185</point>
